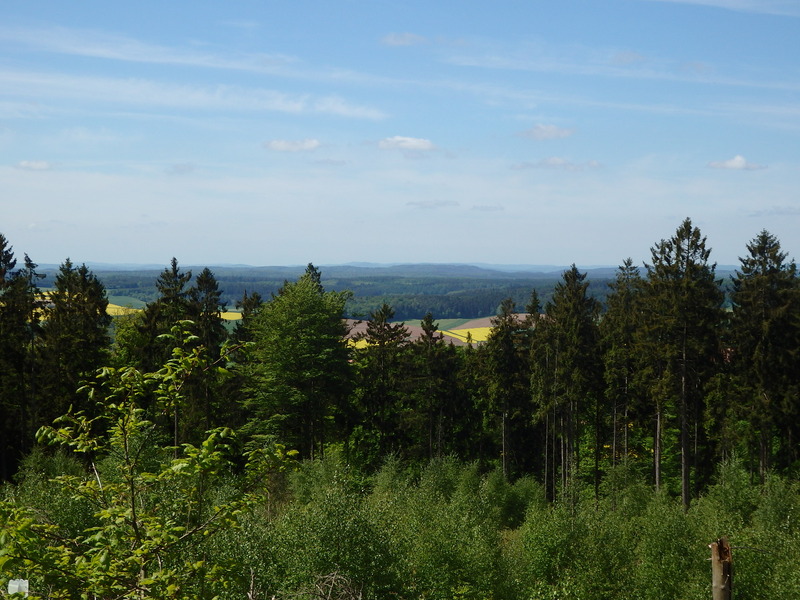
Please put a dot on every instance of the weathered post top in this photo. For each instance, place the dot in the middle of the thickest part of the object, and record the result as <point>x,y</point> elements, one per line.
<point>721,569</point>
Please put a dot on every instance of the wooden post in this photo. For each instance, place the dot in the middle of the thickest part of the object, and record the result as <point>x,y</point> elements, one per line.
<point>721,570</point>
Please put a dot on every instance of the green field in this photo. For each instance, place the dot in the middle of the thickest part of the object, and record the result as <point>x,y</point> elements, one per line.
<point>127,301</point>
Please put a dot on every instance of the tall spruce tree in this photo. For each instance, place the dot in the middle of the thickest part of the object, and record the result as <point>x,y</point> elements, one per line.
<point>10,348</point>
<point>20,310</point>
<point>159,316</point>
<point>249,305</point>
<point>205,308</point>
<point>620,357</point>
<point>203,408</point>
<point>75,338</point>
<point>766,335</point>
<point>566,381</point>
<point>508,402</point>
<point>434,391</point>
<point>382,365</point>
<point>682,316</point>
<point>13,344</point>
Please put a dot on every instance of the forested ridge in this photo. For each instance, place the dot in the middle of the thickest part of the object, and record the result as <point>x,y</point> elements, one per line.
<point>448,291</point>
<point>592,447</point>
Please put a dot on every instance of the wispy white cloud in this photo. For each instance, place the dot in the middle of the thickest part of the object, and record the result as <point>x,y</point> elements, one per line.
<point>604,62</point>
<point>242,24</point>
<point>180,169</point>
<point>737,163</point>
<point>547,132</point>
<point>292,145</point>
<point>627,57</point>
<point>399,142</point>
<point>777,211</point>
<point>488,207</point>
<point>34,165</point>
<point>789,8</point>
<point>331,162</point>
<point>403,39</point>
<point>142,92</point>
<point>98,44</point>
<point>556,162</point>
<point>428,204</point>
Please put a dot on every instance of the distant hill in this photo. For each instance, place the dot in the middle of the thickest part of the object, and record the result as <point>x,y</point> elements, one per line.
<point>447,291</point>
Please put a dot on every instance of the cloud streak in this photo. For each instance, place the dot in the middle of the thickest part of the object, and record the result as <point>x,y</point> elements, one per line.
<point>547,132</point>
<point>788,8</point>
<point>144,92</point>
<point>409,144</point>
<point>403,39</point>
<point>97,44</point>
<point>603,62</point>
<point>737,163</point>
<point>430,204</point>
<point>777,211</point>
<point>292,145</point>
<point>34,165</point>
<point>556,163</point>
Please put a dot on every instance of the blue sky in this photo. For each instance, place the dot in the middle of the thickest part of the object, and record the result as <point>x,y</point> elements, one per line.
<point>278,133</point>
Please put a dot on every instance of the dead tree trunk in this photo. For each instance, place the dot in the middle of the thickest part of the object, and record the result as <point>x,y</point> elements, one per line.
<point>721,570</point>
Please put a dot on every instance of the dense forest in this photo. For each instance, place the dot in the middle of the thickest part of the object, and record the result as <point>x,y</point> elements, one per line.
<point>592,447</point>
<point>447,291</point>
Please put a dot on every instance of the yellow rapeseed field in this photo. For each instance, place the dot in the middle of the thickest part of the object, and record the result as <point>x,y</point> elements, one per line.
<point>479,334</point>
<point>115,310</point>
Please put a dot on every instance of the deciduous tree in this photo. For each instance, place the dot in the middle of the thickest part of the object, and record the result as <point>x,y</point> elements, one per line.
<point>300,374</point>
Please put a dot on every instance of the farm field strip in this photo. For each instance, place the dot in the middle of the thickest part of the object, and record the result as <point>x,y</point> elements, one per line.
<point>116,310</point>
<point>478,334</point>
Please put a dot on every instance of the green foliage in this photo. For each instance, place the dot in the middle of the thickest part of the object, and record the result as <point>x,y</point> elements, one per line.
<point>519,468</point>
<point>381,424</point>
<point>299,370</point>
<point>764,329</point>
<point>148,511</point>
<point>74,338</point>
<point>678,338</point>
<point>21,304</point>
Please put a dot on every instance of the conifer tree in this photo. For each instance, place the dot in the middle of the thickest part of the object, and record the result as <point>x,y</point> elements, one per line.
<point>249,305</point>
<point>20,311</point>
<point>12,352</point>
<point>158,318</point>
<point>766,334</point>
<point>434,391</point>
<point>381,378</point>
<point>205,308</point>
<point>203,408</point>
<point>620,356</point>
<point>566,381</point>
<point>682,315</point>
<point>75,338</point>
<point>508,381</point>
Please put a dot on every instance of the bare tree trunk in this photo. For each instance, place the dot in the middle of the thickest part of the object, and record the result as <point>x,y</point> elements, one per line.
<point>546,453</point>
<point>597,446</point>
<point>684,441</point>
<point>657,448</point>
<point>614,427</point>
<point>503,450</point>
<point>684,434</point>
<point>721,570</point>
